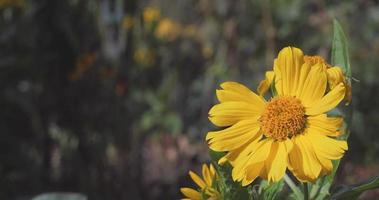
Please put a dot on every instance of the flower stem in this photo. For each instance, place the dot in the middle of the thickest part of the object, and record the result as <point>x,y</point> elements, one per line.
<point>306,193</point>
<point>293,187</point>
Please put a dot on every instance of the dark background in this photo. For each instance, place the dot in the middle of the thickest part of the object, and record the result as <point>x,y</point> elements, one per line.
<point>109,98</point>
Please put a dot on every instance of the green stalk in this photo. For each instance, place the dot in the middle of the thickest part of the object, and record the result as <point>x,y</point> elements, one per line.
<point>293,187</point>
<point>306,193</point>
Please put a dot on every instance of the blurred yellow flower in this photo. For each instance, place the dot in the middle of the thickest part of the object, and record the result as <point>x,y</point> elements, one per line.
<point>12,3</point>
<point>168,29</point>
<point>144,57</point>
<point>207,51</point>
<point>206,184</point>
<point>127,22</point>
<point>151,14</point>
<point>289,131</point>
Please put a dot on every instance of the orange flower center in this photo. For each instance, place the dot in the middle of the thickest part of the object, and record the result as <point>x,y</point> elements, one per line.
<point>283,118</point>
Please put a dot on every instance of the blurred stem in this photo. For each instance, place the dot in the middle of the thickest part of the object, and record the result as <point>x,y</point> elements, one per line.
<point>306,193</point>
<point>269,30</point>
<point>293,187</point>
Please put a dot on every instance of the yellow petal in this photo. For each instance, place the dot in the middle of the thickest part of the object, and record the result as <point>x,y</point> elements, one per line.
<point>233,137</point>
<point>303,160</point>
<point>191,193</point>
<point>232,155</point>
<point>328,102</point>
<point>228,113</point>
<point>335,77</point>
<point>265,84</point>
<point>252,172</point>
<point>313,89</point>
<point>276,163</point>
<point>207,175</point>
<point>287,70</point>
<point>329,126</point>
<point>327,165</point>
<point>233,91</point>
<point>197,179</point>
<point>327,147</point>
<point>254,153</point>
<point>212,170</point>
<point>304,72</point>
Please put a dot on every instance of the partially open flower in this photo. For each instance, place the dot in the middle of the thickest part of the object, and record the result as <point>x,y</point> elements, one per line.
<point>207,187</point>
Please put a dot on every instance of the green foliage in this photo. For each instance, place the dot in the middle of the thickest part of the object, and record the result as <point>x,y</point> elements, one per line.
<point>353,191</point>
<point>230,190</point>
<point>340,57</point>
<point>270,191</point>
<point>340,49</point>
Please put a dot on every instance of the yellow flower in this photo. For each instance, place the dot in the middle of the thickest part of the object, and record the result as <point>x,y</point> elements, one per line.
<point>168,29</point>
<point>206,184</point>
<point>151,14</point>
<point>334,75</point>
<point>127,22</point>
<point>144,57</point>
<point>290,131</point>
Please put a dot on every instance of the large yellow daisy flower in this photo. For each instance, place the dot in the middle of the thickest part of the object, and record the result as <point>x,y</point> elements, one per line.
<point>289,131</point>
<point>206,184</point>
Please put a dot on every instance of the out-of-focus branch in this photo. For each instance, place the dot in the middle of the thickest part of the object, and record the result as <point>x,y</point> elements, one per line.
<point>269,31</point>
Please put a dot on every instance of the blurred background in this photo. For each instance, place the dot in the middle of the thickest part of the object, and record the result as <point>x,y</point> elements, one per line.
<point>109,98</point>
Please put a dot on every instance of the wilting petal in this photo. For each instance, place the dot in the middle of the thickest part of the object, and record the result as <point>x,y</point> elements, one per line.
<point>335,77</point>
<point>265,84</point>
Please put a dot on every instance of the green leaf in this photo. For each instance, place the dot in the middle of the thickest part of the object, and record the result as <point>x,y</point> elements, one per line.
<point>225,184</point>
<point>270,191</point>
<point>340,58</point>
<point>340,51</point>
<point>215,155</point>
<point>60,196</point>
<point>353,191</point>
<point>296,193</point>
<point>320,189</point>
